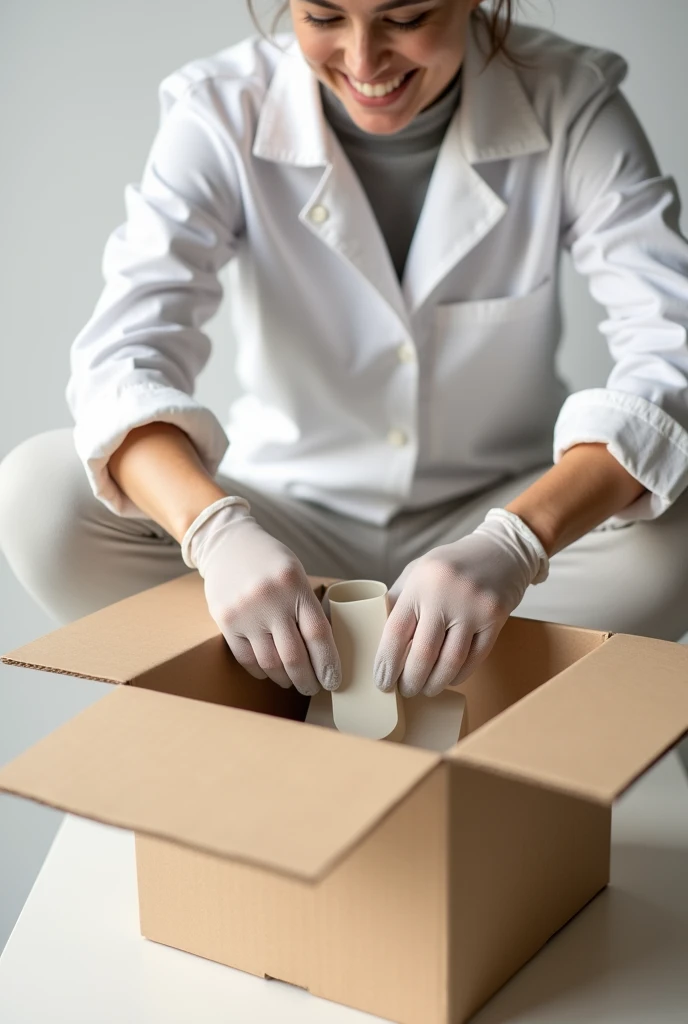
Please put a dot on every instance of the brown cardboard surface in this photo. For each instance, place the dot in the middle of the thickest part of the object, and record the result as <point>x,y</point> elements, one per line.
<point>227,781</point>
<point>527,653</point>
<point>210,672</point>
<point>597,726</point>
<point>126,639</point>
<point>372,934</point>
<point>389,902</point>
<point>524,859</point>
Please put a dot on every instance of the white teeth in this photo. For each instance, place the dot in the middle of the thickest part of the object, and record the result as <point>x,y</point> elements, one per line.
<point>377,90</point>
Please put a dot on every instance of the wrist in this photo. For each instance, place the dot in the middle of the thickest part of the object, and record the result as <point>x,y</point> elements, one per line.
<point>520,539</point>
<point>228,508</point>
<point>194,504</point>
<point>542,526</point>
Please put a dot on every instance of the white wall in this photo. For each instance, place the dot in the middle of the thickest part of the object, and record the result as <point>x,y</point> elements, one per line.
<point>78,109</point>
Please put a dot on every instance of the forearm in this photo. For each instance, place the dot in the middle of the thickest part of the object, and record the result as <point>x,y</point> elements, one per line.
<point>158,467</point>
<point>586,487</point>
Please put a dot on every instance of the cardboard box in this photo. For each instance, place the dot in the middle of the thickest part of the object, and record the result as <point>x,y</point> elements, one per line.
<point>403,882</point>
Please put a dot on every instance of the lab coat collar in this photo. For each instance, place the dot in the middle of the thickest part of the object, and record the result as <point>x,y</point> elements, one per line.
<point>495,120</point>
<point>292,127</point>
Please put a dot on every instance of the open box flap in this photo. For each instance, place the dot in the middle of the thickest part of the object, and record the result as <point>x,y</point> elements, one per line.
<point>130,638</point>
<point>595,727</point>
<point>246,786</point>
<point>126,639</point>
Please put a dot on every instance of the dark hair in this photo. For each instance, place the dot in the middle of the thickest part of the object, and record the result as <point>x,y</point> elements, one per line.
<point>498,23</point>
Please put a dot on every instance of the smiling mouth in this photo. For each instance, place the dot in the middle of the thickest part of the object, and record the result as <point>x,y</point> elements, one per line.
<point>381,89</point>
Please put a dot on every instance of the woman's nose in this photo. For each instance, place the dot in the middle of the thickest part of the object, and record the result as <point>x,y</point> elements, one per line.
<point>364,57</point>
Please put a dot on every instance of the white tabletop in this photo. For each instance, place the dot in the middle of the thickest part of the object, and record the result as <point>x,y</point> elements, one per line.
<point>76,955</point>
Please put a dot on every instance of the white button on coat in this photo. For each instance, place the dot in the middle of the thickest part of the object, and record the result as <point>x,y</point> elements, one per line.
<point>319,214</point>
<point>406,353</point>
<point>537,158</point>
<point>397,438</point>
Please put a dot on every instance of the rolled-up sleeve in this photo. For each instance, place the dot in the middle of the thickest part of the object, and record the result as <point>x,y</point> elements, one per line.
<point>137,358</point>
<point>621,226</point>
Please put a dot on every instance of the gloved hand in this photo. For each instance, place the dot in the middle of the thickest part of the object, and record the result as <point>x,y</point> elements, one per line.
<point>258,593</point>
<point>449,605</point>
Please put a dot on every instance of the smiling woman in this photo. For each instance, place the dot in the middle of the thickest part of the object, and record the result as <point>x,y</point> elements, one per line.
<point>387,61</point>
<point>498,21</point>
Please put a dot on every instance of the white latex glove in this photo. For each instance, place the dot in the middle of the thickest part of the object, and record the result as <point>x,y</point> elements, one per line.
<point>259,595</point>
<point>449,605</point>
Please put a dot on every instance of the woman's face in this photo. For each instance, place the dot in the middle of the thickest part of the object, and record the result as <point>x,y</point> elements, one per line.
<point>386,60</point>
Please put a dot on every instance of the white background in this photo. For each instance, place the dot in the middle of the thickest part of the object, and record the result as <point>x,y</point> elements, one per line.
<point>78,111</point>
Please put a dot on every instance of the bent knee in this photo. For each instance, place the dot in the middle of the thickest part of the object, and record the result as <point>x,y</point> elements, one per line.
<point>661,574</point>
<point>43,494</point>
<point>649,579</point>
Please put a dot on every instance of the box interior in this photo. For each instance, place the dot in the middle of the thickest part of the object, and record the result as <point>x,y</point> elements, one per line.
<point>165,640</point>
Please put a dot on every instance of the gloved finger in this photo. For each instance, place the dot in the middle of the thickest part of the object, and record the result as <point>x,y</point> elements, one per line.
<point>482,644</point>
<point>292,651</point>
<point>420,660</point>
<point>316,632</point>
<point>269,659</point>
<point>394,592</point>
<point>452,657</point>
<point>391,652</point>
<point>243,652</point>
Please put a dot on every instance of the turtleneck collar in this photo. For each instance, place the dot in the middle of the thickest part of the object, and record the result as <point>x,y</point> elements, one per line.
<point>424,131</point>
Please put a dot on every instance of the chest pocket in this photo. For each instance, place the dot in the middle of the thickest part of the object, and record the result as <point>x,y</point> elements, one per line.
<point>493,383</point>
<point>493,311</point>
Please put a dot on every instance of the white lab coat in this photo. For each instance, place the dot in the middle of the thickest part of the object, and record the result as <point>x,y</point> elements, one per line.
<point>360,392</point>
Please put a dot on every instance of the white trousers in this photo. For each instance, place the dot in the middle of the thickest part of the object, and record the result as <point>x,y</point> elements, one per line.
<point>74,556</point>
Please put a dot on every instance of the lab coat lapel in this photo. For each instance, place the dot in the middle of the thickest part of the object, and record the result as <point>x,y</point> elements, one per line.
<point>495,121</point>
<point>352,230</point>
<point>459,210</point>
<point>292,129</point>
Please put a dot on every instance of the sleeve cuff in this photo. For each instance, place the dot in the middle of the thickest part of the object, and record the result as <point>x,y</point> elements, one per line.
<point>645,440</point>
<point>102,427</point>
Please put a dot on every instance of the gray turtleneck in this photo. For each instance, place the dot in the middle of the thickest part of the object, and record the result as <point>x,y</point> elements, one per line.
<point>395,170</point>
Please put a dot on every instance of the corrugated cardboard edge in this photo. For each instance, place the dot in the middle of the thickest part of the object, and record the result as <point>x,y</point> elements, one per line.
<point>6,660</point>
